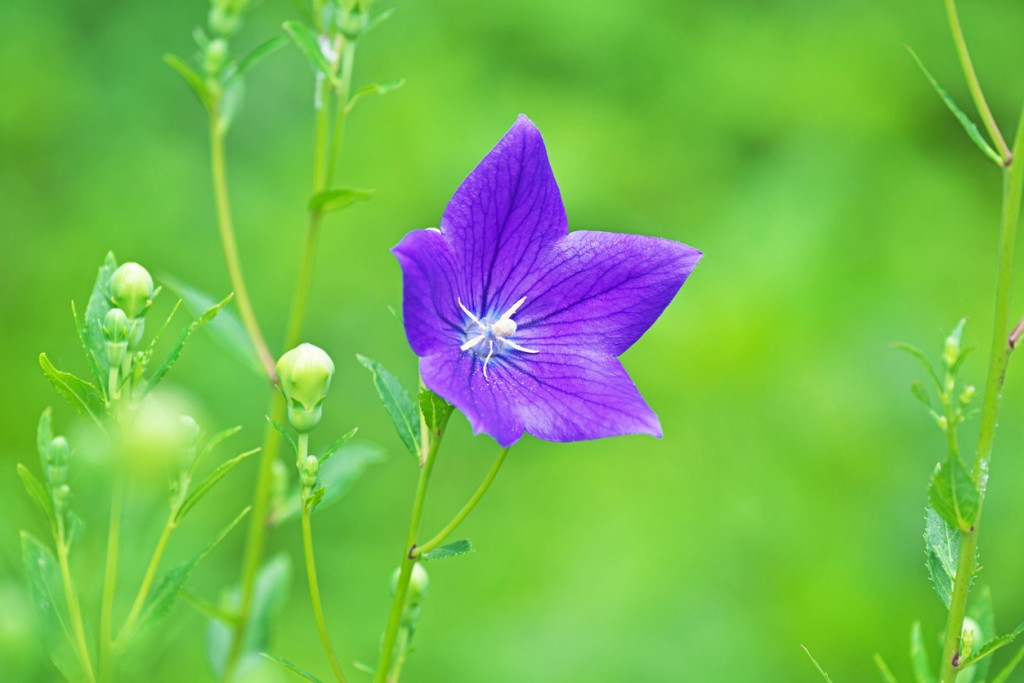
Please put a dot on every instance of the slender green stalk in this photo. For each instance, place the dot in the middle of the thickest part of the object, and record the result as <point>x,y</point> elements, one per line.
<point>467,508</point>
<point>314,585</point>
<point>74,609</point>
<point>147,582</point>
<point>106,664</point>
<point>974,85</point>
<point>999,356</point>
<point>227,238</point>
<point>409,559</point>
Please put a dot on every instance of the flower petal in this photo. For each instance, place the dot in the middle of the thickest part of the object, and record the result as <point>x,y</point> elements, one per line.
<point>570,395</point>
<point>601,290</point>
<point>431,286</point>
<point>505,215</point>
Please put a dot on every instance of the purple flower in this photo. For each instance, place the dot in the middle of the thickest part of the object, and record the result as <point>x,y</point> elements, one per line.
<point>516,320</point>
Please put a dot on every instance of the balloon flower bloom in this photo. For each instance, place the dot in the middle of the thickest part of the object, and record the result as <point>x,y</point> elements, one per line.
<point>518,322</point>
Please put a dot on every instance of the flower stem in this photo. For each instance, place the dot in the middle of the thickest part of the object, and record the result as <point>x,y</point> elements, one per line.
<point>227,238</point>
<point>147,582</point>
<point>974,85</point>
<point>109,582</point>
<point>74,609</point>
<point>466,509</point>
<point>409,559</point>
<point>314,586</point>
<point>999,356</point>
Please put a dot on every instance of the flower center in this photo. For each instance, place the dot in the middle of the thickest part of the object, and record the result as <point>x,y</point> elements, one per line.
<point>484,337</point>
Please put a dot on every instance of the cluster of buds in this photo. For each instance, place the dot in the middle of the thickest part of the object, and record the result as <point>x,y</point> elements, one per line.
<point>309,469</point>
<point>131,292</point>
<point>226,16</point>
<point>305,376</point>
<point>56,458</point>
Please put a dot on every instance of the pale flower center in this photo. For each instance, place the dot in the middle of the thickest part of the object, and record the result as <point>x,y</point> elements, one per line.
<point>486,336</point>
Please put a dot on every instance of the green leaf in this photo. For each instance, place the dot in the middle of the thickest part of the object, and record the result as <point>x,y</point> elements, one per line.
<point>336,446</point>
<point>159,602</point>
<point>969,126</point>
<point>942,548</point>
<point>453,549</point>
<point>336,477</point>
<point>307,42</point>
<point>44,435</point>
<point>96,311</point>
<point>816,665</point>
<point>210,444</point>
<point>230,103</point>
<point>82,396</point>
<point>919,656</point>
<point>90,355</point>
<point>920,393</point>
<point>337,199</point>
<point>43,574</point>
<point>1008,670</point>
<point>207,316</point>
<point>283,432</point>
<point>435,410</point>
<point>207,484</point>
<point>373,89</point>
<point>397,403</point>
<point>919,354</point>
<point>883,669</point>
<point>953,493</point>
<point>227,330</point>
<point>37,492</point>
<point>291,667</point>
<point>993,645</point>
<point>194,80</point>
<point>269,595</point>
<point>258,54</point>
<point>315,499</point>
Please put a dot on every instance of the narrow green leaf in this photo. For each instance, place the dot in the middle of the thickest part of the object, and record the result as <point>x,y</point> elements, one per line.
<point>163,596</point>
<point>337,199</point>
<point>309,45</point>
<point>230,103</point>
<point>291,667</point>
<point>284,433</point>
<point>435,410</point>
<point>195,81</point>
<point>969,126</point>
<point>96,311</point>
<point>378,20</point>
<point>816,665</point>
<point>258,54</point>
<point>44,435</point>
<point>920,393</point>
<point>37,492</point>
<point>211,443</point>
<point>884,670</point>
<point>207,484</point>
<point>43,574</point>
<point>1008,670</point>
<point>953,493</point>
<point>374,89</point>
<point>336,477</point>
<point>90,355</point>
<point>207,316</point>
<point>919,656</point>
<point>982,611</point>
<point>919,354</point>
<point>226,329</point>
<point>942,548</point>
<point>453,549</point>
<point>994,645</point>
<point>399,406</point>
<point>82,396</point>
<point>336,446</point>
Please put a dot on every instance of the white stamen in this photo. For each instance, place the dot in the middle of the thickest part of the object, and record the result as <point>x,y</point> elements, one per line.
<point>487,360</point>
<point>471,316</point>
<point>507,315</point>
<point>517,347</point>
<point>493,332</point>
<point>471,343</point>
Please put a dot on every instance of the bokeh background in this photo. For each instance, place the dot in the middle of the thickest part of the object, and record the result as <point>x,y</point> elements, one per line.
<point>839,206</point>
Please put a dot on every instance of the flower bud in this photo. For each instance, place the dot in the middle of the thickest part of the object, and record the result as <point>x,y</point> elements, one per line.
<point>61,498</point>
<point>971,636</point>
<point>57,457</point>
<point>951,350</point>
<point>968,394</point>
<point>131,287</point>
<point>305,374</point>
<point>310,470</point>
<point>418,583</point>
<point>115,329</point>
<point>215,56</point>
<point>223,20</point>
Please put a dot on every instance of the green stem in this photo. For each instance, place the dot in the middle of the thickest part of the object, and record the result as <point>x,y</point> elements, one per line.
<point>999,356</point>
<point>147,582</point>
<point>106,664</point>
<point>409,559</point>
<point>314,585</point>
<point>74,609</point>
<point>348,58</point>
<point>227,238</point>
<point>974,85</point>
<point>466,509</point>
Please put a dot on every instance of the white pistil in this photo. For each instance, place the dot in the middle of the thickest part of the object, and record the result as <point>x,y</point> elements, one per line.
<point>498,331</point>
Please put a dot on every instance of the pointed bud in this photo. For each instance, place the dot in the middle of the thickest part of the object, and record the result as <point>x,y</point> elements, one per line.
<point>215,56</point>
<point>115,329</point>
<point>968,394</point>
<point>305,373</point>
<point>57,458</point>
<point>418,583</point>
<point>310,470</point>
<point>131,287</point>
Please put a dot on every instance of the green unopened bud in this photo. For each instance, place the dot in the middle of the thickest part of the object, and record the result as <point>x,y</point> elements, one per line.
<point>418,583</point>
<point>115,329</point>
<point>968,394</point>
<point>310,470</point>
<point>971,635</point>
<point>131,287</point>
<point>305,374</point>
<point>223,20</point>
<point>943,422</point>
<point>215,56</point>
<point>61,497</point>
<point>57,457</point>
<point>951,350</point>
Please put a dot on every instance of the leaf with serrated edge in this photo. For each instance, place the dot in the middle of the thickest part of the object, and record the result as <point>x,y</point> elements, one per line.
<point>283,432</point>
<point>212,480</point>
<point>291,667</point>
<point>96,311</point>
<point>37,492</point>
<point>397,403</point>
<point>336,446</point>
<point>969,126</point>
<point>453,549</point>
<point>82,396</point>
<point>953,493</point>
<point>43,576</point>
<point>942,548</point>
<point>90,355</point>
<point>993,645</point>
<point>208,315</point>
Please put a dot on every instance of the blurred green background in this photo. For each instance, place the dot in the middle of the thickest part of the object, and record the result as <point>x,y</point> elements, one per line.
<point>838,204</point>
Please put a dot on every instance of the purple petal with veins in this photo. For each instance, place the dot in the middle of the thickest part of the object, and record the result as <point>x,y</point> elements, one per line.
<point>516,320</point>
